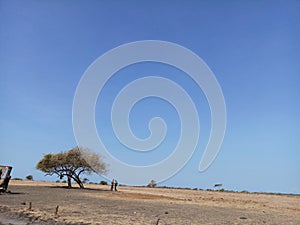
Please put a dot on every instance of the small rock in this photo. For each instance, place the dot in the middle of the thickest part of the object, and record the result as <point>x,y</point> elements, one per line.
<point>243,218</point>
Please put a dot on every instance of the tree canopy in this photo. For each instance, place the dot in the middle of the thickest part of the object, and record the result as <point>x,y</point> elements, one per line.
<point>72,164</point>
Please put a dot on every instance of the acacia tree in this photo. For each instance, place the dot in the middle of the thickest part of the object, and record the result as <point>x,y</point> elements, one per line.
<point>72,164</point>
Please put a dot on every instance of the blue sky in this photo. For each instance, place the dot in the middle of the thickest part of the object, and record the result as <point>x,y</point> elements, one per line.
<point>252,47</point>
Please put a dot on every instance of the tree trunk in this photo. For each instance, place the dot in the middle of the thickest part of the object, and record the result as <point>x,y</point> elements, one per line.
<point>69,181</point>
<point>78,181</point>
<point>81,185</point>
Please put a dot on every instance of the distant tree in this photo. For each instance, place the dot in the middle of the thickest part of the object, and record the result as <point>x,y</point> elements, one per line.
<point>217,186</point>
<point>72,164</point>
<point>103,182</point>
<point>152,184</point>
<point>29,177</point>
<point>85,180</point>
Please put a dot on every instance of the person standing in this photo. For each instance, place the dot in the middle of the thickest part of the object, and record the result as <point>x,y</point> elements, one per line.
<point>112,185</point>
<point>116,184</point>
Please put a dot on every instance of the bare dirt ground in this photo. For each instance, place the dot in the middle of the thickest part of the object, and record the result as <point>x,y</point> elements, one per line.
<point>137,205</point>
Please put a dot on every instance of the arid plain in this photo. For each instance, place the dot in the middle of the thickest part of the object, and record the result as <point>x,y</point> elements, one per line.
<point>33,202</point>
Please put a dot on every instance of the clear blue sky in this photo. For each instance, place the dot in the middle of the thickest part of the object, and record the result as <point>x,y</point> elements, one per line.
<point>252,47</point>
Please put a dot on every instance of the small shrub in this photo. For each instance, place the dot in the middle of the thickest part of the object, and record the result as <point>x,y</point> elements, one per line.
<point>64,181</point>
<point>103,182</point>
<point>29,177</point>
<point>58,181</point>
<point>16,178</point>
<point>85,180</point>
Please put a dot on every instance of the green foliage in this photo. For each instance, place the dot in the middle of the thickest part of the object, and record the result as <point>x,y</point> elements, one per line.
<point>16,178</point>
<point>29,177</point>
<point>103,182</point>
<point>72,164</point>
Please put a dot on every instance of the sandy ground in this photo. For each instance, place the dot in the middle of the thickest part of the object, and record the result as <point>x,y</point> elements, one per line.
<point>137,205</point>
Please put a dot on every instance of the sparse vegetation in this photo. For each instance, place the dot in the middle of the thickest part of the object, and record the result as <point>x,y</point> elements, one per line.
<point>29,177</point>
<point>85,180</point>
<point>103,182</point>
<point>175,205</point>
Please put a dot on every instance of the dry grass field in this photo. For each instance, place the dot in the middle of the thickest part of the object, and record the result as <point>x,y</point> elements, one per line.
<point>138,205</point>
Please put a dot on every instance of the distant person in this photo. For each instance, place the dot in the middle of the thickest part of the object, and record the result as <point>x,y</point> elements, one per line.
<point>116,184</point>
<point>112,185</point>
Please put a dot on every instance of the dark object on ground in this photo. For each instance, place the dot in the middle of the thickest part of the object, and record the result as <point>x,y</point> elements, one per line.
<point>4,184</point>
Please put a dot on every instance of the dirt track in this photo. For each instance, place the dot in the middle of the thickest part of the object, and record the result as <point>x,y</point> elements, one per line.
<point>133,205</point>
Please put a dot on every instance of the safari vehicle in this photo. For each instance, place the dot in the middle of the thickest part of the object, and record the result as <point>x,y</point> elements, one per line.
<point>5,172</point>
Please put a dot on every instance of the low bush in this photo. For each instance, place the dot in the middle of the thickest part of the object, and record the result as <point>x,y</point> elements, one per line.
<point>29,177</point>
<point>103,182</point>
